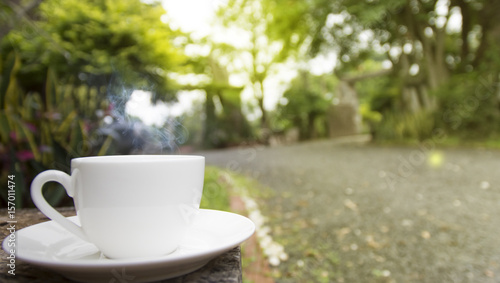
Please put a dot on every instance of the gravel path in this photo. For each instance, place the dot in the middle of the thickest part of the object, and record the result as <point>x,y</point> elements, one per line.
<point>364,213</point>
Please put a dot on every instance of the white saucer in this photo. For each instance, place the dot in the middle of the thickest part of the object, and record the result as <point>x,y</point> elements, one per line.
<point>50,246</point>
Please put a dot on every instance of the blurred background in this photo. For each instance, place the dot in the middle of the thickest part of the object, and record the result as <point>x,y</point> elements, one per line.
<point>86,77</point>
<point>270,91</point>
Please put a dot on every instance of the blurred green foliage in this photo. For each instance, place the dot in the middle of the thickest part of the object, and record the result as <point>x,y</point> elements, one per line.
<point>41,132</point>
<point>469,107</point>
<point>215,191</point>
<point>224,123</point>
<point>305,105</point>
<point>406,126</point>
<point>436,62</point>
<point>65,66</point>
<point>91,42</point>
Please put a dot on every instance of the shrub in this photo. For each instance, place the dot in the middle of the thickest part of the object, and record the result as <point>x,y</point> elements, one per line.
<point>469,107</point>
<point>405,126</point>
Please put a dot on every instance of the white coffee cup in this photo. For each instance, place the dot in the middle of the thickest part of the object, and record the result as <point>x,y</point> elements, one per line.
<point>129,206</point>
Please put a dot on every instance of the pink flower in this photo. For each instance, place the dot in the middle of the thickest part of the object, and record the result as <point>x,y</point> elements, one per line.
<point>31,127</point>
<point>25,155</point>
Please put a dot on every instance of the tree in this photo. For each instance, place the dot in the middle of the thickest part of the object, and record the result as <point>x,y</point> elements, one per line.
<point>97,43</point>
<point>418,37</point>
<point>12,13</point>
<point>223,120</point>
<point>64,68</point>
<point>430,45</point>
<point>306,103</point>
<point>260,54</point>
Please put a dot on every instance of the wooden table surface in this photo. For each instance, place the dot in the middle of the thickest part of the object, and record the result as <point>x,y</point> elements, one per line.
<point>224,268</point>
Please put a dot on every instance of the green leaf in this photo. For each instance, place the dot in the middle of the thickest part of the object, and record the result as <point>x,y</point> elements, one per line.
<point>4,128</point>
<point>11,89</point>
<point>7,70</point>
<point>105,146</point>
<point>31,141</point>
<point>50,91</point>
<point>66,124</point>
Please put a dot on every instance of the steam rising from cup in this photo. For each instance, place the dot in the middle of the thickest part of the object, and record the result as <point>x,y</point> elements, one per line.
<point>139,127</point>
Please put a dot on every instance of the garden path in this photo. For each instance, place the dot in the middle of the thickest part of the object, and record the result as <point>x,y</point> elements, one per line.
<point>364,213</point>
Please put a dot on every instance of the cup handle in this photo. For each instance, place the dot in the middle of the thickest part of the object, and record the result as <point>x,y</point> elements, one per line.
<point>40,202</point>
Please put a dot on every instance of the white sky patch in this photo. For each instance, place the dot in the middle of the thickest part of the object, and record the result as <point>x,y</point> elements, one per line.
<point>235,36</point>
<point>442,7</point>
<point>414,69</point>
<point>191,15</point>
<point>277,86</point>
<point>386,64</point>
<point>395,51</point>
<point>186,101</point>
<point>407,48</point>
<point>323,63</point>
<point>139,105</point>
<point>455,21</point>
<point>334,19</point>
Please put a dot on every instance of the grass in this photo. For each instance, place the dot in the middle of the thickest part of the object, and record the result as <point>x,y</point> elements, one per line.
<point>446,142</point>
<point>220,185</point>
<point>216,193</point>
<point>491,143</point>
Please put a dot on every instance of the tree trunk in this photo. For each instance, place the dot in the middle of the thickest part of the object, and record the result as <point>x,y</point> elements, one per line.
<point>490,28</point>
<point>264,123</point>
<point>210,121</point>
<point>311,129</point>
<point>442,71</point>
<point>466,28</point>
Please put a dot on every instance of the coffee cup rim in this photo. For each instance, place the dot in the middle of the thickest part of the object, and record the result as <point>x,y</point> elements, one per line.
<point>147,158</point>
